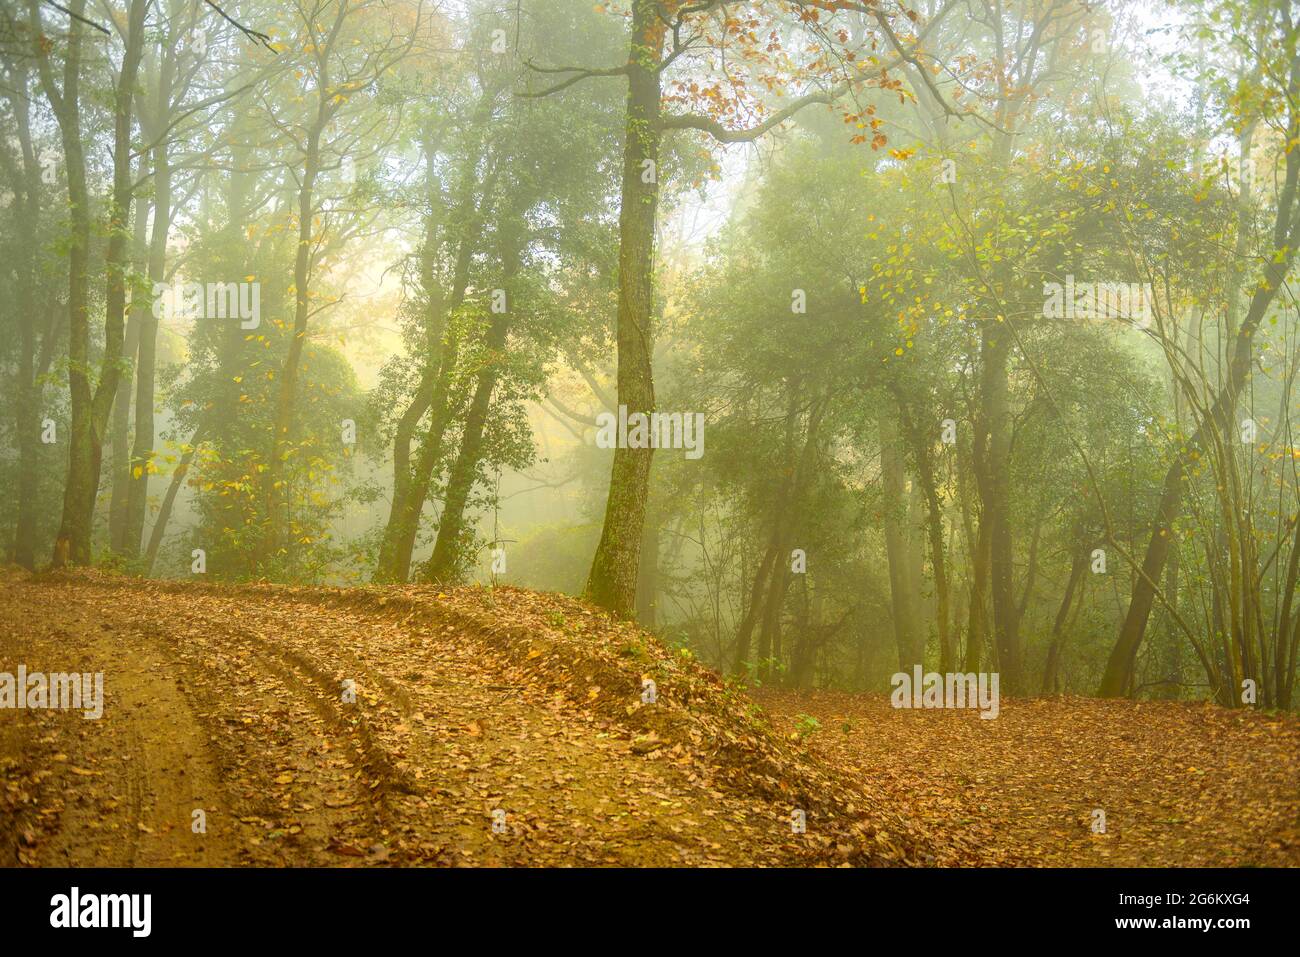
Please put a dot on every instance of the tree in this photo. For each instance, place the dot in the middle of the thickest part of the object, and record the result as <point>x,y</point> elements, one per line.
<point>660,33</point>
<point>1274,264</point>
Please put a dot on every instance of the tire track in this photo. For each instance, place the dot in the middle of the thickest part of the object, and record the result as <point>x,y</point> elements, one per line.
<point>450,758</point>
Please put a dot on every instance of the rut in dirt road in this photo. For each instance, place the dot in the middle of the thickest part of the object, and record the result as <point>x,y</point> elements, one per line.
<point>326,727</point>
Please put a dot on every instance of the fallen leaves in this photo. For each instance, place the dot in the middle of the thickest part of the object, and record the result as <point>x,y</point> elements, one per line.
<point>1022,789</point>
<point>474,700</point>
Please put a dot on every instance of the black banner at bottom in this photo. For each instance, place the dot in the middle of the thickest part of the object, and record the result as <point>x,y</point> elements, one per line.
<point>730,906</point>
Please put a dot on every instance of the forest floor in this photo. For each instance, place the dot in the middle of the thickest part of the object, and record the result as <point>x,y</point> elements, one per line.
<point>497,727</point>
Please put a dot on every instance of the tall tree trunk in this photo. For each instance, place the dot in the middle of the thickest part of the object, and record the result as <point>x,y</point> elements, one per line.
<point>30,393</point>
<point>141,302</point>
<point>938,558</point>
<point>153,123</point>
<point>445,564</point>
<point>72,543</point>
<point>117,253</point>
<point>90,411</point>
<point>442,345</point>
<point>995,490</point>
<point>278,532</point>
<point>612,581</point>
<point>142,448</point>
<point>894,508</point>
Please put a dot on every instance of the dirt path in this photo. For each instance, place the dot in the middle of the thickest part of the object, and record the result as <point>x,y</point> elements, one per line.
<point>313,727</point>
<point>112,793</point>
<point>237,709</point>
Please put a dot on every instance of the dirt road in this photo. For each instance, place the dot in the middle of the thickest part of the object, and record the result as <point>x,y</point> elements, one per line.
<point>237,707</point>
<point>282,726</point>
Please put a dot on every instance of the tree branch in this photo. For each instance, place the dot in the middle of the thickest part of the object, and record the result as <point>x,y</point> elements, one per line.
<point>257,35</point>
<point>77,16</point>
<point>580,74</point>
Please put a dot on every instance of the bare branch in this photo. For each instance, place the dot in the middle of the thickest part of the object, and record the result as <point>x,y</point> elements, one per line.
<point>257,35</point>
<point>580,73</point>
<point>77,16</point>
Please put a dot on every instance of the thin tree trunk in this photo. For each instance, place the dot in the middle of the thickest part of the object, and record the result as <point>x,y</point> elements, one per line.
<point>143,447</point>
<point>1051,672</point>
<point>995,490</point>
<point>153,124</point>
<point>977,624</point>
<point>169,500</point>
<point>894,508</point>
<point>924,454</point>
<point>444,565</point>
<point>141,303</point>
<point>278,532</point>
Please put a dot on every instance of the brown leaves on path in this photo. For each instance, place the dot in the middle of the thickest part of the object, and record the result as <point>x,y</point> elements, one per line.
<point>416,726</point>
<point>1180,784</point>
<point>460,706</point>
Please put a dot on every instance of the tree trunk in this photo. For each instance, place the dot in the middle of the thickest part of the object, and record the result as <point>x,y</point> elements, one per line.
<point>142,449</point>
<point>613,578</point>
<point>410,486</point>
<point>894,508</point>
<point>30,394</point>
<point>141,303</point>
<point>445,563</point>
<point>278,532</point>
<point>647,589</point>
<point>72,543</point>
<point>169,500</point>
<point>977,624</point>
<point>1284,650</point>
<point>1051,672</point>
<point>938,557</point>
<point>90,411</point>
<point>745,630</point>
<point>995,490</point>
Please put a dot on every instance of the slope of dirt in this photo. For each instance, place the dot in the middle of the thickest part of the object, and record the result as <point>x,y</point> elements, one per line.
<point>1180,784</point>
<point>398,726</point>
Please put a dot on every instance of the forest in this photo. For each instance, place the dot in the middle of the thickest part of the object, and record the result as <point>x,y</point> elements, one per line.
<point>453,417</point>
